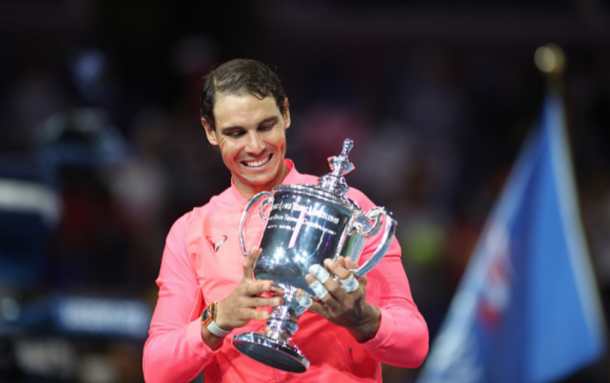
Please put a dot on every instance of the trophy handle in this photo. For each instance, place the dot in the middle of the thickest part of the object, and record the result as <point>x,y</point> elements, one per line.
<point>375,215</point>
<point>245,217</point>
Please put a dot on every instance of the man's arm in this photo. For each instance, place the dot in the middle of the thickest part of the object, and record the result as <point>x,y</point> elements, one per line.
<point>380,313</point>
<point>175,350</point>
<point>179,347</point>
<point>402,337</point>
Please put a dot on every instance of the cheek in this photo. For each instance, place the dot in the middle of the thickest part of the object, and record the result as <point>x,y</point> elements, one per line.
<point>280,139</point>
<point>229,152</point>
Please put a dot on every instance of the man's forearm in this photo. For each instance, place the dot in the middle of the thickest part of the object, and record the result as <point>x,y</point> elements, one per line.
<point>367,329</point>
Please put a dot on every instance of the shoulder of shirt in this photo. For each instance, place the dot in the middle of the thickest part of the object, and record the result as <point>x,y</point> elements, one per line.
<point>360,198</point>
<point>181,224</point>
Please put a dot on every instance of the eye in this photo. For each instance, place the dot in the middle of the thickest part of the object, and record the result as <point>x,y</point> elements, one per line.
<point>266,128</point>
<point>235,133</point>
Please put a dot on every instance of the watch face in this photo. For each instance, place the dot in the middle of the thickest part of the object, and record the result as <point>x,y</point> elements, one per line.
<point>207,317</point>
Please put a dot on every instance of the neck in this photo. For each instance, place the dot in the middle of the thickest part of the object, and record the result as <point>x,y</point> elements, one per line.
<point>248,191</point>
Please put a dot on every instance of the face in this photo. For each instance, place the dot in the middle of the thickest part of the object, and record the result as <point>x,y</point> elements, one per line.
<point>250,133</point>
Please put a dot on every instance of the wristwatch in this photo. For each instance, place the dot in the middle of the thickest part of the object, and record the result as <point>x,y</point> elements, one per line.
<point>208,319</point>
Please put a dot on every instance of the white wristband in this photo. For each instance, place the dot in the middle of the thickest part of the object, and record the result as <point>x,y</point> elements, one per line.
<point>215,330</point>
<point>207,319</point>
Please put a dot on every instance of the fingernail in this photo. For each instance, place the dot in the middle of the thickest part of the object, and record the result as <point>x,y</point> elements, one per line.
<point>328,262</point>
<point>277,301</point>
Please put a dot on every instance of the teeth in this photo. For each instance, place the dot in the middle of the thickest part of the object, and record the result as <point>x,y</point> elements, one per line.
<point>257,163</point>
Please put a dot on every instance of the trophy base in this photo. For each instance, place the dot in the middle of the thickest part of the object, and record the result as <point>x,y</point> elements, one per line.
<point>274,353</point>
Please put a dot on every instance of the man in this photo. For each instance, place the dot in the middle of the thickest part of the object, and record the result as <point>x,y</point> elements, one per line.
<point>345,336</point>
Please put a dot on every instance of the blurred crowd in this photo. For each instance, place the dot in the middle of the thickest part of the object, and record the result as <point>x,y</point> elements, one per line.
<point>101,150</point>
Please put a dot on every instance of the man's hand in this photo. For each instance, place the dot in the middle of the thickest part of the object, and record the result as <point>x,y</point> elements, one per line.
<point>349,310</point>
<point>239,308</point>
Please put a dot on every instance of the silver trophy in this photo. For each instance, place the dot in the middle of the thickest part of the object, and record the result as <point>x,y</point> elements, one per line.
<point>306,225</point>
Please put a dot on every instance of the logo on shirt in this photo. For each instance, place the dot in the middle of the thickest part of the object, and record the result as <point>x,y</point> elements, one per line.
<point>215,245</point>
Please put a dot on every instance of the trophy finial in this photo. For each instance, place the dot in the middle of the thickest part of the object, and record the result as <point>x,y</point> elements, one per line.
<point>348,144</point>
<point>340,166</point>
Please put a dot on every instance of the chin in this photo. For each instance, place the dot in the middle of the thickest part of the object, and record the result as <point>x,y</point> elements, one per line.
<point>259,181</point>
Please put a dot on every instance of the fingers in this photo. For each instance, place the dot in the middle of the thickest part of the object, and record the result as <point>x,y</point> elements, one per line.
<point>249,262</point>
<point>256,314</point>
<point>264,302</point>
<point>333,286</point>
<point>320,282</point>
<point>257,287</point>
<point>320,273</point>
<point>320,291</point>
<point>319,308</point>
<point>237,310</point>
<point>350,284</point>
<point>348,263</point>
<point>304,299</point>
<point>249,305</point>
<point>349,280</point>
<point>317,284</point>
<point>338,268</point>
<point>245,315</point>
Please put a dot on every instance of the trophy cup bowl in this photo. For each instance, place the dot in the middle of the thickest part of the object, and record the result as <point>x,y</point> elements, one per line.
<point>305,225</point>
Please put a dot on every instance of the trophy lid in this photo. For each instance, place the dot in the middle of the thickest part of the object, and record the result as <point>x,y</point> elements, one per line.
<point>340,165</point>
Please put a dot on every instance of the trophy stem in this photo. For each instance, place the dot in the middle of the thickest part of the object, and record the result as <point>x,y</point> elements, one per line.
<point>281,325</point>
<point>273,346</point>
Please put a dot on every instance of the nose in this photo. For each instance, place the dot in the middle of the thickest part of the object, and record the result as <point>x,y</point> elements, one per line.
<point>255,144</point>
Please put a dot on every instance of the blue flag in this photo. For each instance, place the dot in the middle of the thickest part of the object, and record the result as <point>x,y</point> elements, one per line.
<point>527,308</point>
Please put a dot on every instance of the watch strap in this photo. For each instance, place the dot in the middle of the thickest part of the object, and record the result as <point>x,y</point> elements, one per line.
<point>208,319</point>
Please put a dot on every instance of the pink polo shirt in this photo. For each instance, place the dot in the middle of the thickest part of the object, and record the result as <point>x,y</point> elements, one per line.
<point>202,263</point>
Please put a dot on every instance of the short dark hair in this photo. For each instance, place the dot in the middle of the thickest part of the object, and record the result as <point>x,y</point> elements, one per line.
<point>240,77</point>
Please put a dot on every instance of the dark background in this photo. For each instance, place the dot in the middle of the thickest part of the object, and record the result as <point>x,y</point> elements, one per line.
<point>99,108</point>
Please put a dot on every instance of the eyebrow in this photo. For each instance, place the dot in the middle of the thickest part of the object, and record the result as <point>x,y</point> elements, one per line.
<point>237,127</point>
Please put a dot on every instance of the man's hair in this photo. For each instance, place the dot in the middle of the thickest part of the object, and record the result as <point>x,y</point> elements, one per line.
<point>240,77</point>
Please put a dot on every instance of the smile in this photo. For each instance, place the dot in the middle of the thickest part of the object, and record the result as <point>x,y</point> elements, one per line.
<point>255,164</point>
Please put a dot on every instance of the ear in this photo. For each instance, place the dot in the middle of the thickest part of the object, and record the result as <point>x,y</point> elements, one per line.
<point>286,114</point>
<point>210,132</point>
